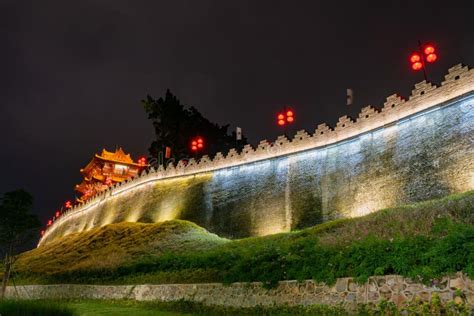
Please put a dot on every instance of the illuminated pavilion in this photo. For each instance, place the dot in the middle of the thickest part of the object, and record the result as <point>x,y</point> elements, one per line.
<point>107,169</point>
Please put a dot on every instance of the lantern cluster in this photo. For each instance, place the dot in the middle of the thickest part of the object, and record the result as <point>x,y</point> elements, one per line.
<point>142,161</point>
<point>416,63</point>
<point>428,54</point>
<point>285,117</point>
<point>197,144</point>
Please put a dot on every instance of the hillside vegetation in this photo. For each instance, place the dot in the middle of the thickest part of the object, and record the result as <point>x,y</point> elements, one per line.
<point>115,245</point>
<point>423,241</point>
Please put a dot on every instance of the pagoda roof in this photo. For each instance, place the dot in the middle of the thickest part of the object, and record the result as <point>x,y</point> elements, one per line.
<point>119,156</point>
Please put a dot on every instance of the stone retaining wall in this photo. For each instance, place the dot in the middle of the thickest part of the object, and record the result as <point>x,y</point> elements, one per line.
<point>345,291</point>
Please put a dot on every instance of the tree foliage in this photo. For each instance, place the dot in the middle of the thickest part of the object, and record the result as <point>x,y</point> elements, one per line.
<point>176,125</point>
<point>17,226</point>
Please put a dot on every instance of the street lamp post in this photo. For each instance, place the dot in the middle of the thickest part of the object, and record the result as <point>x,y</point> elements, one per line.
<point>197,144</point>
<point>426,53</point>
<point>285,118</point>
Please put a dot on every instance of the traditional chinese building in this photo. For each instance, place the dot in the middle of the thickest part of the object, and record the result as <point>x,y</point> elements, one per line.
<point>107,169</point>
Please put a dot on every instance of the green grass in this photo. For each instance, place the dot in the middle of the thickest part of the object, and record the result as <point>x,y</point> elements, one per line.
<point>179,308</point>
<point>423,241</point>
<point>125,308</point>
<point>85,308</point>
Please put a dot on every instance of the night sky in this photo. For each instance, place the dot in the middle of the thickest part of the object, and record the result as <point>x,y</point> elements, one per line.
<point>73,72</point>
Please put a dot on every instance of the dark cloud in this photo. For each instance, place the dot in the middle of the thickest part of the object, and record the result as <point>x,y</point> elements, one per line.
<point>73,73</point>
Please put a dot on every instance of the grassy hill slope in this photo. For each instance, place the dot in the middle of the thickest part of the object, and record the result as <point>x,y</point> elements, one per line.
<point>423,240</point>
<point>115,245</point>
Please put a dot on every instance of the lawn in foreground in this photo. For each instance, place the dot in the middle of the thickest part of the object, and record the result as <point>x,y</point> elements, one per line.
<point>96,307</point>
<point>129,307</point>
<point>83,308</point>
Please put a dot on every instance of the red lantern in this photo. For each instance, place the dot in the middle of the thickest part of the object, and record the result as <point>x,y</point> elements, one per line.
<point>50,222</point>
<point>431,58</point>
<point>42,232</point>
<point>68,204</point>
<point>429,50</point>
<point>58,213</point>
<point>415,58</point>
<point>417,66</point>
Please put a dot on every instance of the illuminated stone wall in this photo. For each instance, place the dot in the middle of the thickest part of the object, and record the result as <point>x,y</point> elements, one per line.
<point>410,150</point>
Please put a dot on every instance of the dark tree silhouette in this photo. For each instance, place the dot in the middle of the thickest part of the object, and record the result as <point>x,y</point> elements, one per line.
<point>175,125</point>
<point>17,227</point>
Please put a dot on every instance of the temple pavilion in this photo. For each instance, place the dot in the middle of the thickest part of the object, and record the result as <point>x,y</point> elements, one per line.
<point>107,169</point>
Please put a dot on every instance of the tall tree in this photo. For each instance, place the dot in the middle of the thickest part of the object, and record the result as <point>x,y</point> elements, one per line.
<point>17,227</point>
<point>175,125</point>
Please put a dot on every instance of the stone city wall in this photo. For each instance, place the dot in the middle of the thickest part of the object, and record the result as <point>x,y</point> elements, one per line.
<point>345,291</point>
<point>407,151</point>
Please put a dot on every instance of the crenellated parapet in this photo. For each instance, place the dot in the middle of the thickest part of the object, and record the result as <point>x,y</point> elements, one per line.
<point>458,81</point>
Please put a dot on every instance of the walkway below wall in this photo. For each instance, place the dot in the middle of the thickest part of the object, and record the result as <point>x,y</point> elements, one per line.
<point>345,291</point>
